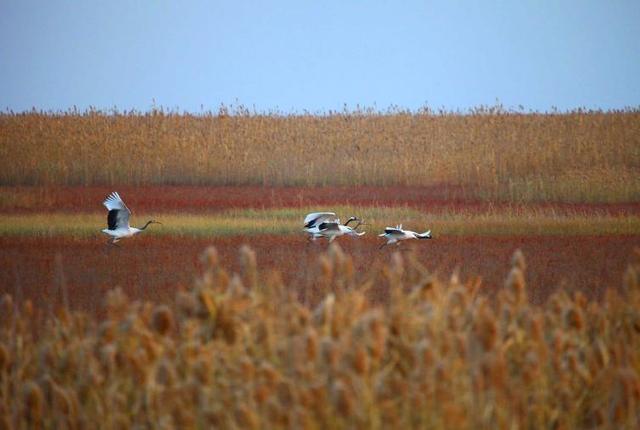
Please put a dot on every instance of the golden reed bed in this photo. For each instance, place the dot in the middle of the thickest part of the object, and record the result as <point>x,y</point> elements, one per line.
<point>240,351</point>
<point>578,156</point>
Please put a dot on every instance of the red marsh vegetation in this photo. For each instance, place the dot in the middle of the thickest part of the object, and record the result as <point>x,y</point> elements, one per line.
<point>44,269</point>
<point>194,199</point>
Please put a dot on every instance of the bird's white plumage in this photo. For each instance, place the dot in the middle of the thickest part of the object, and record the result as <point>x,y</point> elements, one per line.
<point>331,230</point>
<point>327,225</point>
<point>318,217</point>
<point>397,234</point>
<point>115,203</point>
<point>313,220</point>
<point>118,219</point>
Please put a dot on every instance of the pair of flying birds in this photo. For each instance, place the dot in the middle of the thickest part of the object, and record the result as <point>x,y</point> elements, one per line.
<point>317,225</point>
<point>327,225</point>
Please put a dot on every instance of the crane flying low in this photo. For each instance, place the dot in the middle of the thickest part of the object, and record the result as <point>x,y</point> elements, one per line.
<point>397,234</point>
<point>118,220</point>
<point>327,225</point>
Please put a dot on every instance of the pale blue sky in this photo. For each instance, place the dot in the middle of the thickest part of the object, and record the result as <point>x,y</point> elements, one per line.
<point>319,55</point>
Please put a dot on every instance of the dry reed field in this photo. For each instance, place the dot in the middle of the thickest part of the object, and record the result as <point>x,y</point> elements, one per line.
<point>295,335</point>
<point>239,351</point>
<point>579,156</point>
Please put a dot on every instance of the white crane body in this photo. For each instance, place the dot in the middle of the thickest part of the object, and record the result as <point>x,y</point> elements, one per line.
<point>118,219</point>
<point>331,230</point>
<point>327,225</point>
<point>397,234</point>
<point>313,220</point>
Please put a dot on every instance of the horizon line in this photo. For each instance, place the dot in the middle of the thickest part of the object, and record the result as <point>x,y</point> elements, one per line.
<point>238,110</point>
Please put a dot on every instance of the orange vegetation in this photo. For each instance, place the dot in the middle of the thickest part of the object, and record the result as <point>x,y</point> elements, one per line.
<point>240,351</point>
<point>489,153</point>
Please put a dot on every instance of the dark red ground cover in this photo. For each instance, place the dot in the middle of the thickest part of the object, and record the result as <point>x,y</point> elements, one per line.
<point>153,268</point>
<point>194,199</point>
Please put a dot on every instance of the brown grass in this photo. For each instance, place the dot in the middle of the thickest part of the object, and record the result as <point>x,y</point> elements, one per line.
<point>238,351</point>
<point>489,154</point>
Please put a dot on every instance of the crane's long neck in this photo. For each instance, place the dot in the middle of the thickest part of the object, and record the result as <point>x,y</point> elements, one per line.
<point>354,219</point>
<point>145,226</point>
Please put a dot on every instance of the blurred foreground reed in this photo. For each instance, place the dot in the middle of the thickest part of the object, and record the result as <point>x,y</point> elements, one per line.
<point>240,351</point>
